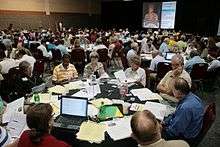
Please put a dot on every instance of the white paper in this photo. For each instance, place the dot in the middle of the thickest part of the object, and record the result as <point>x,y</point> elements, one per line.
<point>13,107</point>
<point>145,94</point>
<point>159,110</point>
<point>17,125</point>
<point>89,92</point>
<point>92,110</point>
<point>121,129</point>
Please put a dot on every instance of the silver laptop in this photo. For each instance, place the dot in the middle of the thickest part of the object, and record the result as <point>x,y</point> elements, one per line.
<point>73,111</point>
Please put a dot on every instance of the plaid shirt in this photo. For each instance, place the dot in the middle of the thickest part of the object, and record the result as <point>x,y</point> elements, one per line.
<point>60,73</point>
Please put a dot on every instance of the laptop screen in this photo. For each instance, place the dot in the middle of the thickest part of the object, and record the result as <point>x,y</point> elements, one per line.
<point>169,56</point>
<point>74,106</point>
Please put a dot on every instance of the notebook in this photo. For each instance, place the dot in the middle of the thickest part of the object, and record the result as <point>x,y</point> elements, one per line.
<point>73,111</point>
<point>169,56</point>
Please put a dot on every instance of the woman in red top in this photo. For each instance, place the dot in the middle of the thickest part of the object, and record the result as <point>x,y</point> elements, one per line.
<point>39,118</point>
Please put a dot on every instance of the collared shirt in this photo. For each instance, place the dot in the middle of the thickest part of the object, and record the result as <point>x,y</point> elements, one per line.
<point>164,143</point>
<point>186,121</point>
<point>168,79</point>
<point>60,73</point>
<point>138,75</point>
<point>164,48</point>
<point>155,61</point>
<point>89,70</point>
<point>189,64</point>
<point>7,64</point>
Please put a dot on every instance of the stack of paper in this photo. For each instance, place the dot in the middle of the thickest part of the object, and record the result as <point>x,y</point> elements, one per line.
<point>73,85</point>
<point>16,106</point>
<point>58,89</point>
<point>55,103</point>
<point>16,125</point>
<point>145,94</point>
<point>89,92</point>
<point>121,128</point>
<point>159,110</point>
<point>91,131</point>
<point>137,107</point>
<point>101,101</point>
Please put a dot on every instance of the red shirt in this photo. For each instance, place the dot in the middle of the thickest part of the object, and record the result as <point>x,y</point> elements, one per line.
<point>47,141</point>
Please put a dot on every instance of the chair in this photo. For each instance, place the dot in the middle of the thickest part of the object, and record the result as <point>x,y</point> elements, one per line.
<point>56,56</point>
<point>103,57</point>
<point>208,119</point>
<point>198,75</point>
<point>78,59</point>
<point>38,68</point>
<point>162,69</point>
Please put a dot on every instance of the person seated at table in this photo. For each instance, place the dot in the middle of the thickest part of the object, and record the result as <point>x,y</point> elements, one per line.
<point>133,51</point>
<point>22,82</point>
<point>99,45</point>
<point>146,130</point>
<point>94,67</point>
<point>157,57</point>
<point>164,46</point>
<point>186,122</point>
<point>135,72</point>
<point>166,84</point>
<point>77,45</point>
<point>148,47</point>
<point>39,120</point>
<point>64,72</point>
<point>194,59</point>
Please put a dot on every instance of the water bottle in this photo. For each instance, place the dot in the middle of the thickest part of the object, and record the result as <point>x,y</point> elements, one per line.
<point>123,90</point>
<point>36,98</point>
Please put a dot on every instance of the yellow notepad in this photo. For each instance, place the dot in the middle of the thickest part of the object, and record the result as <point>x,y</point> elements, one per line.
<point>92,132</point>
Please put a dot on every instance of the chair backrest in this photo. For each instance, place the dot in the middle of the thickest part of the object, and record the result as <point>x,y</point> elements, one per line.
<point>208,119</point>
<point>162,69</point>
<point>78,56</point>
<point>38,67</point>
<point>56,53</point>
<point>199,71</point>
<point>103,55</point>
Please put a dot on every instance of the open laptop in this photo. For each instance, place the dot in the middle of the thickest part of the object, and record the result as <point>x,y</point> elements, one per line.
<point>169,56</point>
<point>73,111</point>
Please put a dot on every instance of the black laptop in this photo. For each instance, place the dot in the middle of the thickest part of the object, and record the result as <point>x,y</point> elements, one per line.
<point>73,111</point>
<point>169,56</point>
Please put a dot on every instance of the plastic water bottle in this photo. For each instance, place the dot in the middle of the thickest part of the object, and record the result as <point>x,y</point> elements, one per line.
<point>36,98</point>
<point>123,90</point>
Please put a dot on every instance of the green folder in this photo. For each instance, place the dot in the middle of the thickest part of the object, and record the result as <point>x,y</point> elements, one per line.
<point>108,112</point>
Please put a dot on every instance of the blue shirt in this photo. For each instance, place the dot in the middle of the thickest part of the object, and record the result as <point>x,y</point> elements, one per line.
<point>189,64</point>
<point>164,48</point>
<point>62,49</point>
<point>187,120</point>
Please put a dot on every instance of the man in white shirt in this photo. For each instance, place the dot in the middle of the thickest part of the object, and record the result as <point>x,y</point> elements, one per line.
<point>135,72</point>
<point>43,48</point>
<point>6,63</point>
<point>24,57</point>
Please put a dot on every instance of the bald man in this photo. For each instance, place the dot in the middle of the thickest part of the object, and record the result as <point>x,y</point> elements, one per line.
<point>166,84</point>
<point>146,131</point>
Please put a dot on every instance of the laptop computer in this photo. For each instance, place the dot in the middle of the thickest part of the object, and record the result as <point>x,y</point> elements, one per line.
<point>73,111</point>
<point>169,56</point>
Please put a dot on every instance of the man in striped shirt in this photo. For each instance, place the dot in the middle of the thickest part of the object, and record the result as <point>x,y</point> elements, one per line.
<point>65,71</point>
